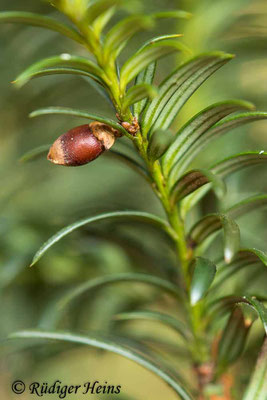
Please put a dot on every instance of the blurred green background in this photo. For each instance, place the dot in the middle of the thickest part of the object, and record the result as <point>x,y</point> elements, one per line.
<point>38,198</point>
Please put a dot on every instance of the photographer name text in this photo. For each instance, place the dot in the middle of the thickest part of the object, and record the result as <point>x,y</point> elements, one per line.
<point>62,390</point>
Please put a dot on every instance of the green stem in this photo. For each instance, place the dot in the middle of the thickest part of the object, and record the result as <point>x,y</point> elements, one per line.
<point>185,254</point>
<point>94,45</point>
<point>171,212</point>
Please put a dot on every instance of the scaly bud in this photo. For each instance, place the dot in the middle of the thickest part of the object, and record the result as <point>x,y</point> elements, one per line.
<point>82,144</point>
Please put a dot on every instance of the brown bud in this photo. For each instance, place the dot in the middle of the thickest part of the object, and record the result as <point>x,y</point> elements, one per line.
<point>132,127</point>
<point>82,144</point>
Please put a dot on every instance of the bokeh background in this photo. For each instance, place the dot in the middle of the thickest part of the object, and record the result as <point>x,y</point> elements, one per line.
<point>38,198</point>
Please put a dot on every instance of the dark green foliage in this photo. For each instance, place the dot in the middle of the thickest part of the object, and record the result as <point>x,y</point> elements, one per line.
<point>145,111</point>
